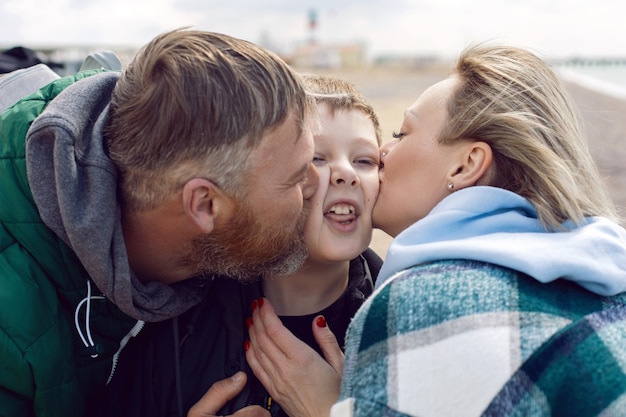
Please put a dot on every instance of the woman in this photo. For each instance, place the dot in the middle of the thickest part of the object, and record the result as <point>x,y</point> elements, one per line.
<point>505,245</point>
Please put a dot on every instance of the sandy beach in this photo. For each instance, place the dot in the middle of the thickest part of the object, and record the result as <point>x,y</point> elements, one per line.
<point>392,90</point>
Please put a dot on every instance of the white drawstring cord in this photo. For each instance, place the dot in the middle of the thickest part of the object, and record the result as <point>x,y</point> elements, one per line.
<point>89,341</point>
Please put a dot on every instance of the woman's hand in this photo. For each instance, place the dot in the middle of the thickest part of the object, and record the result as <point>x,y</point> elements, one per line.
<point>295,375</point>
<point>219,394</point>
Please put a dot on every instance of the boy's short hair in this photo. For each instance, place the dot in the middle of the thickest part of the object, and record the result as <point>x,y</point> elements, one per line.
<point>340,94</point>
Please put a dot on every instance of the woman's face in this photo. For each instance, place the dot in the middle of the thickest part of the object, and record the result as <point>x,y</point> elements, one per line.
<point>416,169</point>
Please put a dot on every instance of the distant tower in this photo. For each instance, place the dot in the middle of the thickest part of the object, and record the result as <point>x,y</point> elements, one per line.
<point>312,25</point>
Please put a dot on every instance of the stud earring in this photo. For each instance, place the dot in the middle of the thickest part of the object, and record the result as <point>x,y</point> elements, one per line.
<point>384,153</point>
<point>450,186</point>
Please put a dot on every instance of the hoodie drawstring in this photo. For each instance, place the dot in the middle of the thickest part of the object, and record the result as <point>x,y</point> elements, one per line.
<point>90,346</point>
<point>86,338</point>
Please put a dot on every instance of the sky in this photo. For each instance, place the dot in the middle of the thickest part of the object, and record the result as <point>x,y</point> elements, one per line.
<point>442,28</point>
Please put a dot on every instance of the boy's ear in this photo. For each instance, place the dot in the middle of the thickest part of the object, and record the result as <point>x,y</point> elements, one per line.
<point>473,166</point>
<point>204,203</point>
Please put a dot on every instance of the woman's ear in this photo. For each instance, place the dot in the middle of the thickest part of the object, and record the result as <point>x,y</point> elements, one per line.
<point>475,160</point>
<point>204,204</point>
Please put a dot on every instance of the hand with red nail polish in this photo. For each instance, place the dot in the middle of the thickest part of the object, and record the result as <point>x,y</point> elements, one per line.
<point>295,375</point>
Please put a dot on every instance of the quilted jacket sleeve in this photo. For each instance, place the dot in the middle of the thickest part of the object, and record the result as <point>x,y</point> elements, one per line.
<point>40,369</point>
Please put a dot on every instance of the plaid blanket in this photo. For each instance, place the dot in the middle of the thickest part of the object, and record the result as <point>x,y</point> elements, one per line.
<point>465,338</point>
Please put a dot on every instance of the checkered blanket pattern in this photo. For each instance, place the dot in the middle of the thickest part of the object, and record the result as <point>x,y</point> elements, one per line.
<point>465,338</point>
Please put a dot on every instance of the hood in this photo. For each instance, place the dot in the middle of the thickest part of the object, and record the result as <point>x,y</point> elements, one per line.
<point>74,184</point>
<point>500,227</point>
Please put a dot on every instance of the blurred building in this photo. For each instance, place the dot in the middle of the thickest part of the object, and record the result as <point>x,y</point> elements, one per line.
<point>329,56</point>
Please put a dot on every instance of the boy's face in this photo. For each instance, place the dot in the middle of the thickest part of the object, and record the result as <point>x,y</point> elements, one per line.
<point>339,226</point>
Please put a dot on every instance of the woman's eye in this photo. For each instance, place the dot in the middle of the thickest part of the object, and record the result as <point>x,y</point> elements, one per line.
<point>398,135</point>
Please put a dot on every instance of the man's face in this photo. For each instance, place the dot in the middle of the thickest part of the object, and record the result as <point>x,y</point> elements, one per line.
<point>264,234</point>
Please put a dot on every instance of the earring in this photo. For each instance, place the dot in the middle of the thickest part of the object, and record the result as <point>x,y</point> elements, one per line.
<point>450,186</point>
<point>384,153</point>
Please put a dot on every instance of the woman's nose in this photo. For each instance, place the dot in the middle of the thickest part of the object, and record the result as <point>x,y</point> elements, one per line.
<point>384,151</point>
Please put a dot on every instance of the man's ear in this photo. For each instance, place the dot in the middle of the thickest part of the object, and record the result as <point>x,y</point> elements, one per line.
<point>204,203</point>
<point>473,167</point>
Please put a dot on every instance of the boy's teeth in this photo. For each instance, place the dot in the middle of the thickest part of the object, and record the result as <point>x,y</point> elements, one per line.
<point>342,209</point>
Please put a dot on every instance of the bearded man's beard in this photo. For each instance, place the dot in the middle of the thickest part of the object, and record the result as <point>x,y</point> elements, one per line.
<point>246,248</point>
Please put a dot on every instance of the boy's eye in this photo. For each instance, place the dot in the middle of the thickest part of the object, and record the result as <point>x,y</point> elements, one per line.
<point>367,161</point>
<point>317,160</point>
<point>398,135</point>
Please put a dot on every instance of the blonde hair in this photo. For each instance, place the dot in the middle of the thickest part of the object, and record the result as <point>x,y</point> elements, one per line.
<point>195,104</point>
<point>340,94</point>
<point>512,100</point>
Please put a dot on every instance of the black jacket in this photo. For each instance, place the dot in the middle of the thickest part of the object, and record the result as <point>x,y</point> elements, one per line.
<point>171,364</point>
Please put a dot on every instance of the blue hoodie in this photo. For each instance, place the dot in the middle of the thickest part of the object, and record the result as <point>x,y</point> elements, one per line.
<point>500,227</point>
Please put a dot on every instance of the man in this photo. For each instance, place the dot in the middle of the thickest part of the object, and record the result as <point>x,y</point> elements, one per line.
<point>194,161</point>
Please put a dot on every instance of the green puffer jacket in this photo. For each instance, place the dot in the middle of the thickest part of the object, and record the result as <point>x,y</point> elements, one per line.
<point>44,368</point>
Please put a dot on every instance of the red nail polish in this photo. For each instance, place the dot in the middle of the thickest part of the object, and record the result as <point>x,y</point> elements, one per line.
<point>320,321</point>
<point>246,345</point>
<point>249,322</point>
<point>253,305</point>
<point>260,302</point>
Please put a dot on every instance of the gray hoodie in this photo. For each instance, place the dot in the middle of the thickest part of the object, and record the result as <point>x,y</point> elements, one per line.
<point>74,184</point>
